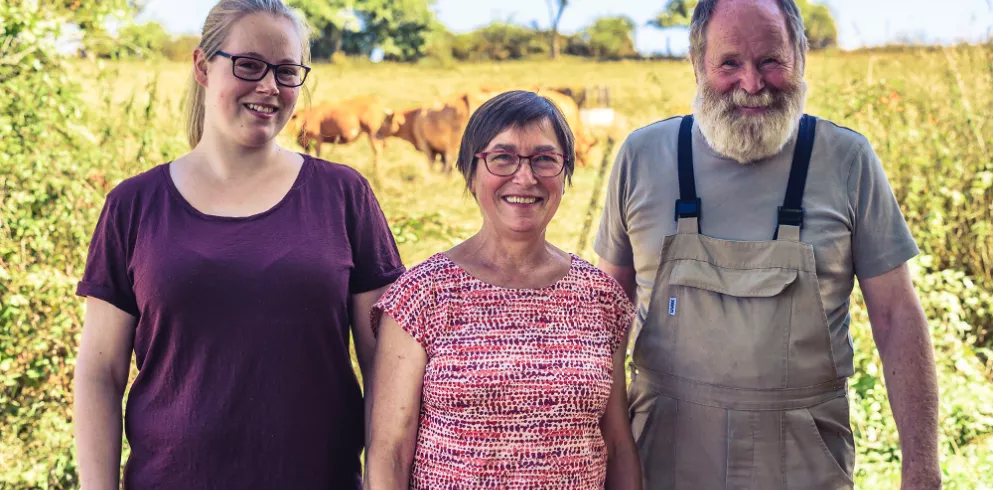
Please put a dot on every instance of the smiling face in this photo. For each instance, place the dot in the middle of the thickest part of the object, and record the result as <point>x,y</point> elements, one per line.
<point>522,203</point>
<point>751,91</point>
<point>247,113</point>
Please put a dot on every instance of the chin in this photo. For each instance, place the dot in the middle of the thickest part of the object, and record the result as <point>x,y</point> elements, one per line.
<point>257,139</point>
<point>524,227</point>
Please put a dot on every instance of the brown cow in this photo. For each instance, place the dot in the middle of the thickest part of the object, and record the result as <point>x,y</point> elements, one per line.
<point>569,108</point>
<point>435,130</point>
<point>578,95</point>
<point>342,122</point>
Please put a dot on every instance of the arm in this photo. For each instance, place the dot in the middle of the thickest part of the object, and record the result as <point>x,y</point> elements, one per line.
<point>398,374</point>
<point>102,368</point>
<point>365,341</point>
<point>625,276</point>
<point>623,464</point>
<point>899,328</point>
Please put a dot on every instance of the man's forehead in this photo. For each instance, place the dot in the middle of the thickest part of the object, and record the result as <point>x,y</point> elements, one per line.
<point>748,22</point>
<point>735,8</point>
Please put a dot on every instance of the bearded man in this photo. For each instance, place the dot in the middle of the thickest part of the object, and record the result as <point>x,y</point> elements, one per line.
<point>739,231</point>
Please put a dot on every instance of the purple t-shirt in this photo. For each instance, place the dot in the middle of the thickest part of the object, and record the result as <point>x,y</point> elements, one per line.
<point>245,379</point>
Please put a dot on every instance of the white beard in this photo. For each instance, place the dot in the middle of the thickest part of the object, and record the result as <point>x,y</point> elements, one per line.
<point>748,138</point>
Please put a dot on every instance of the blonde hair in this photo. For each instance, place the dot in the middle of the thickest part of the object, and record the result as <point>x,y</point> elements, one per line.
<point>215,30</point>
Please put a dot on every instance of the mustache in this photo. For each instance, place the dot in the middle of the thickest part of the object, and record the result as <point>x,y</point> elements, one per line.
<point>738,98</point>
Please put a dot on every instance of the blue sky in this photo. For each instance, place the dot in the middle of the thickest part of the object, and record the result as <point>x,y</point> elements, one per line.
<point>860,22</point>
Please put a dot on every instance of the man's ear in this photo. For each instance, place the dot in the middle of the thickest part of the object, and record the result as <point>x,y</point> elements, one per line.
<point>200,67</point>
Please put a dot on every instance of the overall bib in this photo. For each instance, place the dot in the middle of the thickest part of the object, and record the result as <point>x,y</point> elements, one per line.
<point>734,384</point>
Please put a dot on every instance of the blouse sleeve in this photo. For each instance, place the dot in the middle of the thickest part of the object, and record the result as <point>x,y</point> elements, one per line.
<point>106,275</point>
<point>410,301</point>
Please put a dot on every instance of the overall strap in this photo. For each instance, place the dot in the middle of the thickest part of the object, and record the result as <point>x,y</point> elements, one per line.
<point>791,213</point>
<point>688,205</point>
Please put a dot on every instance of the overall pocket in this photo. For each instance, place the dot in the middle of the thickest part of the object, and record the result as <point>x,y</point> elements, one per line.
<point>729,327</point>
<point>653,423</point>
<point>820,450</point>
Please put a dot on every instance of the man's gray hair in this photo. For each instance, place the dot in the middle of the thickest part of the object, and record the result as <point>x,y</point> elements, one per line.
<point>705,10</point>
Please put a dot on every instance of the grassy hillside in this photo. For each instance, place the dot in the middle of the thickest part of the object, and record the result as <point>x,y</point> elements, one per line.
<point>926,113</point>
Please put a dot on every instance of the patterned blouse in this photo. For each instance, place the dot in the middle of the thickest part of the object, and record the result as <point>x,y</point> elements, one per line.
<point>516,380</point>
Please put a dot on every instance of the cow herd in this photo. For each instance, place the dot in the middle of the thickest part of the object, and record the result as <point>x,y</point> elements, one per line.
<point>433,129</point>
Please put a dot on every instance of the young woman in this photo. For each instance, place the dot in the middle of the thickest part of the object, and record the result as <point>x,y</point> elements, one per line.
<point>499,362</point>
<point>234,273</point>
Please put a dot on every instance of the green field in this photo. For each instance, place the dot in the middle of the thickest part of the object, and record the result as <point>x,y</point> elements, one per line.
<point>926,112</point>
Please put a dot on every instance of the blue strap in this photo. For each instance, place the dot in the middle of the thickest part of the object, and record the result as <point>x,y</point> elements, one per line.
<point>688,205</point>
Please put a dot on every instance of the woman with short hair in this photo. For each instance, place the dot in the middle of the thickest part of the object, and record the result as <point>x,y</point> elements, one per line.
<point>500,362</point>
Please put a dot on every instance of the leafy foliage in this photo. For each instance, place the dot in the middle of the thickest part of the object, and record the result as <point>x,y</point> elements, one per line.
<point>676,13</point>
<point>52,172</point>
<point>610,38</point>
<point>145,40</point>
<point>499,41</point>
<point>399,27</point>
<point>63,147</point>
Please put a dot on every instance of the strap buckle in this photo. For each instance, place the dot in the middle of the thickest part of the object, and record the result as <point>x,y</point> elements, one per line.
<point>791,216</point>
<point>688,208</point>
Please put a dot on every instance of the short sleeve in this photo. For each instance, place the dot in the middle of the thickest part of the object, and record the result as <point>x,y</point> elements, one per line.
<point>106,275</point>
<point>619,311</point>
<point>612,241</point>
<point>374,251</point>
<point>410,301</point>
<point>881,239</point>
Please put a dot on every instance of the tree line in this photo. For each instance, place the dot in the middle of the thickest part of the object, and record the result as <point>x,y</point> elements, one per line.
<point>408,30</point>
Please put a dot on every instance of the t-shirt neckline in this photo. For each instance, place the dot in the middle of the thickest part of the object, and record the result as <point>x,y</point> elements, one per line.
<point>573,263</point>
<point>297,182</point>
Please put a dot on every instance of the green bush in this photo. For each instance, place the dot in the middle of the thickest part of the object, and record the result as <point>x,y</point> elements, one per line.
<point>58,158</point>
<point>945,183</point>
<point>500,41</point>
<point>180,48</point>
<point>61,154</point>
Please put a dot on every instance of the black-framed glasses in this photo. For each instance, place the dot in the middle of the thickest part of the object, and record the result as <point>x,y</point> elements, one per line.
<point>504,163</point>
<point>253,69</point>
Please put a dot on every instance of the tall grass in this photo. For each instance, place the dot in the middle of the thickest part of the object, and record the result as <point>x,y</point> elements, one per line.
<point>927,113</point>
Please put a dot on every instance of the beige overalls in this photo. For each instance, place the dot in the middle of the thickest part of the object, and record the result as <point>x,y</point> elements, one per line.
<point>734,384</point>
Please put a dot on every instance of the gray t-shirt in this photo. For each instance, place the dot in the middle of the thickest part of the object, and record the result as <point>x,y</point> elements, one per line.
<point>852,218</point>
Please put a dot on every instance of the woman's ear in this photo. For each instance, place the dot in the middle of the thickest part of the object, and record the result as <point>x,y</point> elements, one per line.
<point>200,67</point>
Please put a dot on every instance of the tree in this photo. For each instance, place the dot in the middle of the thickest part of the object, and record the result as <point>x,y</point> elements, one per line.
<point>330,19</point>
<point>500,41</point>
<point>610,37</point>
<point>145,40</point>
<point>676,13</point>
<point>555,9</point>
<point>180,48</point>
<point>819,25</point>
<point>401,28</point>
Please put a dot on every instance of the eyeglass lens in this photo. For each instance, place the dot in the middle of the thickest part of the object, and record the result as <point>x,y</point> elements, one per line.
<point>542,164</point>
<point>250,69</point>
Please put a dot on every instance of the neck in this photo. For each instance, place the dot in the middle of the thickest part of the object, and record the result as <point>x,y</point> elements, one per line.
<point>510,251</point>
<point>229,161</point>
<point>406,130</point>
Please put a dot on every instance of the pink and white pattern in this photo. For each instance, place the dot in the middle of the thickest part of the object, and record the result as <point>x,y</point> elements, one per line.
<point>517,380</point>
